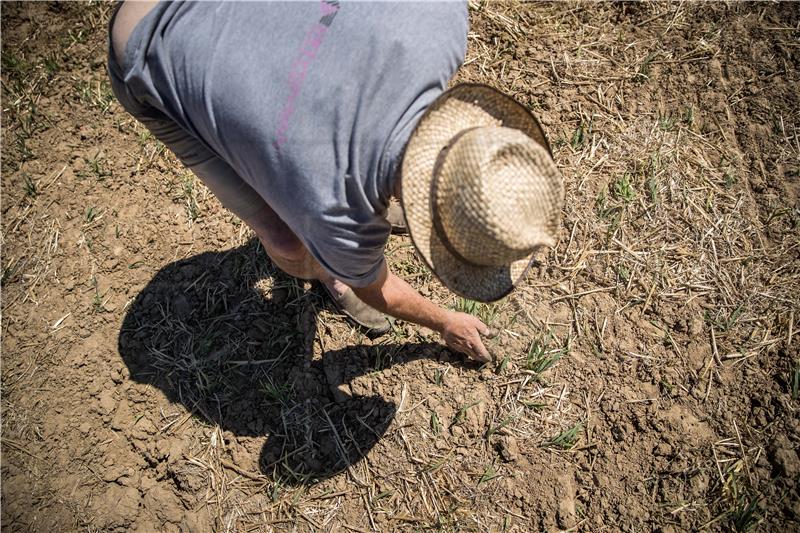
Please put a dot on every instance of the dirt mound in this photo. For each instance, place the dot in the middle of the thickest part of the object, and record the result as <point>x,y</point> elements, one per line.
<point>160,375</point>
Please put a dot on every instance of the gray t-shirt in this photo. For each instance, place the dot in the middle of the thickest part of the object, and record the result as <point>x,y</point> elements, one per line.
<point>310,102</point>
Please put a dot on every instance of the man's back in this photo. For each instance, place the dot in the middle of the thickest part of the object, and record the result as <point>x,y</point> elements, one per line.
<point>310,103</point>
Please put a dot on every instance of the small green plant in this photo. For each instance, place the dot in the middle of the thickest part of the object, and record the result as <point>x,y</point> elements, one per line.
<point>438,376</point>
<point>666,121</point>
<point>746,516</point>
<point>8,271</point>
<point>503,365</point>
<point>744,511</point>
<point>600,202</point>
<point>98,306</point>
<point>643,74</point>
<point>730,178</point>
<point>566,439</point>
<point>725,323</point>
<point>461,415</point>
<point>383,357</point>
<point>50,63</point>
<point>503,423</point>
<point>190,198</point>
<point>489,474</point>
<point>581,134</point>
<point>76,37</point>
<point>607,211</point>
<point>13,65</point>
<point>623,188</point>
<point>486,312</point>
<point>436,465</point>
<point>436,426</point>
<point>97,95</point>
<point>90,215</point>
<point>275,393</point>
<point>144,137</point>
<point>540,358</point>
<point>688,116</point>
<point>652,190</point>
<point>384,494</point>
<point>277,488</point>
<point>623,273</point>
<point>29,186</point>
<point>97,167</point>
<point>29,123</point>
<point>463,305</point>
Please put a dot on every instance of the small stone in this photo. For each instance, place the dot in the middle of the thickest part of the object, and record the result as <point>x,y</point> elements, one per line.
<point>760,416</point>
<point>107,402</point>
<point>663,449</point>
<point>122,416</point>
<point>508,448</point>
<point>110,475</point>
<point>116,376</point>
<point>784,458</point>
<point>696,326</point>
<point>601,480</point>
<point>565,492</point>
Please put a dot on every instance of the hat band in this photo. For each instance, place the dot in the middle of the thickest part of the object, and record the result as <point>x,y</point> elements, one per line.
<point>435,218</point>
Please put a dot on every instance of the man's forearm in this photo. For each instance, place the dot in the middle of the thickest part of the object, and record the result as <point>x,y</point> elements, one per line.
<point>393,296</point>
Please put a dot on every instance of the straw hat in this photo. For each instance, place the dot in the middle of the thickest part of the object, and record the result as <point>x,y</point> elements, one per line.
<point>480,190</point>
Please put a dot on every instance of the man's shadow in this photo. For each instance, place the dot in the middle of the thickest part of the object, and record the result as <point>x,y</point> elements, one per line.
<point>231,338</point>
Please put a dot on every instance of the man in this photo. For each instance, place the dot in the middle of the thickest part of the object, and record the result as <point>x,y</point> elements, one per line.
<point>305,118</point>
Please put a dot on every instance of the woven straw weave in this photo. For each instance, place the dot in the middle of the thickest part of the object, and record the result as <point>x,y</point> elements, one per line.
<point>480,198</point>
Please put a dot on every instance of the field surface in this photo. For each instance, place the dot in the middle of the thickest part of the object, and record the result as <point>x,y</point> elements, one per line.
<point>159,374</point>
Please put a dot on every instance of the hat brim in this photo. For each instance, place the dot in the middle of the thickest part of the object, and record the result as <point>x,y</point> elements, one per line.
<point>464,106</point>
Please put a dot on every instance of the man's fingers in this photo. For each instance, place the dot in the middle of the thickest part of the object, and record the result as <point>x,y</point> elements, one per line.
<point>481,328</point>
<point>480,352</point>
<point>489,333</point>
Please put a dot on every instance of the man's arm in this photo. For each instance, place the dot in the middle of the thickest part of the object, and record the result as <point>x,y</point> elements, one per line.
<point>393,296</point>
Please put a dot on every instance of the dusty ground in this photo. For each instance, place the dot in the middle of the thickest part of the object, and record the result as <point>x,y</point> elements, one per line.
<point>158,374</point>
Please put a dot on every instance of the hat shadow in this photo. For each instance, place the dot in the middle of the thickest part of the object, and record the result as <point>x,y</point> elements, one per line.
<point>231,338</point>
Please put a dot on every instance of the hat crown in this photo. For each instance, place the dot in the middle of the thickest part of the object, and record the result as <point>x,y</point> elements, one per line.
<point>495,191</point>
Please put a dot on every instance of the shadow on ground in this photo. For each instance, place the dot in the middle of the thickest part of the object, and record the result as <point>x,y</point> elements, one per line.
<point>232,339</point>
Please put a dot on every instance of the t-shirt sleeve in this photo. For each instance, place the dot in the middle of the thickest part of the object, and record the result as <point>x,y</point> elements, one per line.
<point>351,252</point>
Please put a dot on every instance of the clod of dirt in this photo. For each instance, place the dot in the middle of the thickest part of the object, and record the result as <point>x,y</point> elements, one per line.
<point>784,458</point>
<point>107,402</point>
<point>663,450</point>
<point>118,506</point>
<point>508,448</point>
<point>164,504</point>
<point>565,492</point>
<point>340,390</point>
<point>691,430</point>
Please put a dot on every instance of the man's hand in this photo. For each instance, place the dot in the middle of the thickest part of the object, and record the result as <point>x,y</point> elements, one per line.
<point>462,332</point>
<point>393,296</point>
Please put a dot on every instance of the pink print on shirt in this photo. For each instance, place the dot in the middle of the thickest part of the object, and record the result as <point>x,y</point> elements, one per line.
<point>299,70</point>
